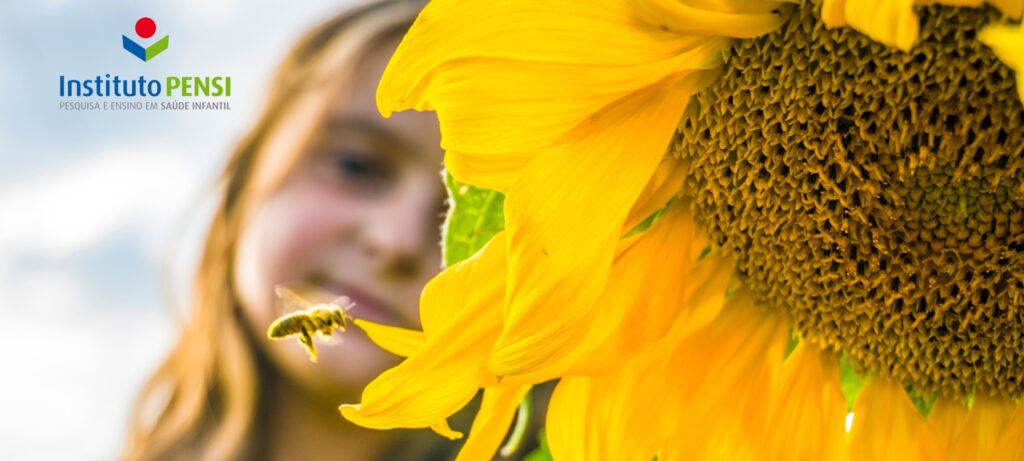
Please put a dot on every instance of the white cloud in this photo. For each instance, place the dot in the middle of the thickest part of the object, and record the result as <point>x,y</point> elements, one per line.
<point>52,6</point>
<point>212,12</point>
<point>74,383</point>
<point>57,214</point>
<point>42,296</point>
<point>76,359</point>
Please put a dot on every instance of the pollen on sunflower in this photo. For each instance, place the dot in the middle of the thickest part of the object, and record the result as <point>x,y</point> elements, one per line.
<point>875,195</point>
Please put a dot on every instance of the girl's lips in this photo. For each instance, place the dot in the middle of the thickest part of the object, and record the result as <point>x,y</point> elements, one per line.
<point>366,306</point>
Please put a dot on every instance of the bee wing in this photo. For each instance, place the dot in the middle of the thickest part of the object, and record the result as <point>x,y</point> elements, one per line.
<point>343,302</point>
<point>301,295</point>
<point>289,300</point>
<point>314,293</point>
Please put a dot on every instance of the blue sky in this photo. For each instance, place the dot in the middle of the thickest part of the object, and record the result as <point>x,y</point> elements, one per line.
<point>101,212</point>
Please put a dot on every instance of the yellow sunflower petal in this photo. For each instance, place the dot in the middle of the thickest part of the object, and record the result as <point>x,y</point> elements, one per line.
<point>893,22</point>
<point>633,401</point>
<point>1010,446</point>
<point>730,18</point>
<point>595,417</point>
<point>981,429</point>
<point>492,421</point>
<point>598,417</point>
<point>944,422</point>
<point>664,185</point>
<point>1011,8</point>
<point>486,170</point>
<point>641,301</point>
<point>444,430</point>
<point>602,324</point>
<point>886,425</point>
<point>437,380</point>
<point>560,245</point>
<point>1014,9</point>
<point>443,375</point>
<point>833,13</point>
<point>463,284</point>
<point>723,374</point>
<point>508,79</point>
<point>569,424</point>
<point>704,292</point>
<point>526,79</point>
<point>806,419</point>
<point>682,291</point>
<point>399,341</point>
<point>1008,44</point>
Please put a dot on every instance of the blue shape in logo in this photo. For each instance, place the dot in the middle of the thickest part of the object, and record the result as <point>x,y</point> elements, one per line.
<point>145,53</point>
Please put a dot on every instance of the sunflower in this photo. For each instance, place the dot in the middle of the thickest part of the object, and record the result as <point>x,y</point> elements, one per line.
<point>714,210</point>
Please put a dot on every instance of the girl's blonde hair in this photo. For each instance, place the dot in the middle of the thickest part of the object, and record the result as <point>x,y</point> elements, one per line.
<point>201,402</point>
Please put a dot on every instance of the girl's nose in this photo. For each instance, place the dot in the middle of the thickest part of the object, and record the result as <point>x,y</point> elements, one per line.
<point>398,233</point>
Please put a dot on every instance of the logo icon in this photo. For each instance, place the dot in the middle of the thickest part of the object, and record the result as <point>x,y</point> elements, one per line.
<point>145,28</point>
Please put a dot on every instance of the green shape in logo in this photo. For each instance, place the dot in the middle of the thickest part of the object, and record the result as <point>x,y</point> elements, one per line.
<point>157,47</point>
<point>145,54</point>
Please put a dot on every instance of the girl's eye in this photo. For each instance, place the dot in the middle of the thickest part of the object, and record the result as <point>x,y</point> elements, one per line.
<point>357,171</point>
<point>356,166</point>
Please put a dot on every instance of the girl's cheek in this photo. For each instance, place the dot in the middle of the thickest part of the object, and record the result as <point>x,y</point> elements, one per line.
<point>304,221</point>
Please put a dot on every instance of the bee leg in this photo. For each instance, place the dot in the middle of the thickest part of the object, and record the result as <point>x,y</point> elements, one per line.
<point>339,319</point>
<point>307,342</point>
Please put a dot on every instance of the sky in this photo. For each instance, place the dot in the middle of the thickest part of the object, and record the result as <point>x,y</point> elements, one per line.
<point>101,213</point>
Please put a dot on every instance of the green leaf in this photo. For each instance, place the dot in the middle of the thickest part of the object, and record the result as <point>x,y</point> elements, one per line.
<point>646,223</point>
<point>850,381</point>
<point>923,402</point>
<point>542,453</point>
<point>474,216</point>
<point>791,343</point>
<point>523,417</point>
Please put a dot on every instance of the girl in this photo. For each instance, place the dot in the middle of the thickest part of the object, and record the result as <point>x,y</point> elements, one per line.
<point>323,192</point>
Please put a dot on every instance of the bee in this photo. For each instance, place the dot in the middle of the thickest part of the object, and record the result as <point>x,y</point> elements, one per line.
<point>310,319</point>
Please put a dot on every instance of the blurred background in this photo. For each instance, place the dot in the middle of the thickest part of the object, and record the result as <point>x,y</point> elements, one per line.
<point>102,213</point>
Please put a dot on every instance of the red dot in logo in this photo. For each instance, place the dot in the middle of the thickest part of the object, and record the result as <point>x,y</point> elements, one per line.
<point>145,27</point>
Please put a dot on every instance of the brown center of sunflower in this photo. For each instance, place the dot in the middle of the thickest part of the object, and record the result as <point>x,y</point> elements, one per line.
<point>875,195</point>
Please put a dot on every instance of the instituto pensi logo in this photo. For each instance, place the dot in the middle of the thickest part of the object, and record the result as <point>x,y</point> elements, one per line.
<point>110,91</point>
<point>145,28</point>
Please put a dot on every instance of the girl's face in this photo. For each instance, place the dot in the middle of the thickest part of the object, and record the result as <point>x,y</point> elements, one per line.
<point>359,216</point>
